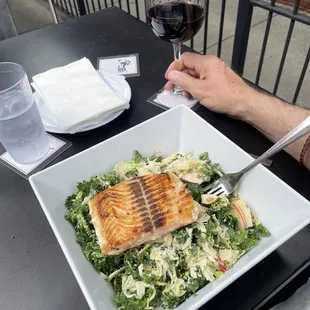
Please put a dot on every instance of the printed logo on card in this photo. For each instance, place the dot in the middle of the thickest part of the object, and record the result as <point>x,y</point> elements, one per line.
<point>122,64</point>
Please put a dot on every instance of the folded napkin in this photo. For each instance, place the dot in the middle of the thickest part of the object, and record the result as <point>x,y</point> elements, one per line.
<point>76,96</point>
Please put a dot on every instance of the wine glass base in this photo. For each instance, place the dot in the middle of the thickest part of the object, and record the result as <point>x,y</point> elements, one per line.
<point>170,100</point>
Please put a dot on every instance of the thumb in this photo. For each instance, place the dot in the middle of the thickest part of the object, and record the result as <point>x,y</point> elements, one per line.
<point>185,81</point>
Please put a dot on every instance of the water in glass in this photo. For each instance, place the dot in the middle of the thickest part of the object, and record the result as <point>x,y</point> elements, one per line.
<point>21,129</point>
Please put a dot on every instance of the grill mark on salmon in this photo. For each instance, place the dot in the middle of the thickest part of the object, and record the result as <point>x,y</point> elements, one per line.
<point>141,205</point>
<point>152,201</point>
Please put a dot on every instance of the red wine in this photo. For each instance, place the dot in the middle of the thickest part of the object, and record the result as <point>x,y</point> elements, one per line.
<point>176,22</point>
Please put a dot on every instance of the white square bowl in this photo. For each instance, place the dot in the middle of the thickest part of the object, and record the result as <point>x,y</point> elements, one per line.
<point>281,209</point>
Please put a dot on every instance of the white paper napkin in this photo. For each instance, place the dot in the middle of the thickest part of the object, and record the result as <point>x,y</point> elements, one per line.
<point>77,96</point>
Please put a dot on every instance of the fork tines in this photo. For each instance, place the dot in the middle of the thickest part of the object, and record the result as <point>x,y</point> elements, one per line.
<point>216,189</point>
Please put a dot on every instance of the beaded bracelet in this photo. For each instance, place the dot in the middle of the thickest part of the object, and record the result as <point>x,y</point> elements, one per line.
<point>304,151</point>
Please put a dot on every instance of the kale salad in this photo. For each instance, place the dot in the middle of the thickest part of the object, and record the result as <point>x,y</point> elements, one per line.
<point>165,272</point>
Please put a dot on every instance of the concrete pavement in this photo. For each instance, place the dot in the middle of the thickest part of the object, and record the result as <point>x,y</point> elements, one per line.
<point>32,14</point>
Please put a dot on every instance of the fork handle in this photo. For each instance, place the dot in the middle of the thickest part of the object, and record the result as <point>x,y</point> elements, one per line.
<point>295,134</point>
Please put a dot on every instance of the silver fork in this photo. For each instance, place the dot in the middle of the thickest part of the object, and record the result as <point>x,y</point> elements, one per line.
<point>229,182</point>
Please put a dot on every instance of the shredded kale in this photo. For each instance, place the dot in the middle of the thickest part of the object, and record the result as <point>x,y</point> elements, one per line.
<point>69,203</point>
<point>160,274</point>
<point>126,303</point>
<point>195,284</point>
<point>180,235</point>
<point>131,173</point>
<point>137,157</point>
<point>156,159</point>
<point>261,231</point>
<point>211,172</point>
<point>204,156</point>
<point>246,240</point>
<point>97,184</point>
<point>170,301</point>
<point>195,190</point>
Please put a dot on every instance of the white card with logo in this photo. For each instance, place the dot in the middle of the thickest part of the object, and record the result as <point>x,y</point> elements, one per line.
<point>126,65</point>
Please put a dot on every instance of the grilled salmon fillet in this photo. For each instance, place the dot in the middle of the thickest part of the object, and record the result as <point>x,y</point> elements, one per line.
<point>139,210</point>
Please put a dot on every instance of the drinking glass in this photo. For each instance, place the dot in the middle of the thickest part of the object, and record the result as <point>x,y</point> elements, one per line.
<point>21,129</point>
<point>175,21</point>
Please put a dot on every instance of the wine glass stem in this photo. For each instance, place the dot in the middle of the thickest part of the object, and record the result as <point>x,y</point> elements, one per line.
<point>177,90</point>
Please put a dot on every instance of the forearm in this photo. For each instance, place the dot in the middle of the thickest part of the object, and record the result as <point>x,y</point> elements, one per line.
<point>275,119</point>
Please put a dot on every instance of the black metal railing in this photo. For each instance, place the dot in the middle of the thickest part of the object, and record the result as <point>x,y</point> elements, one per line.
<point>82,7</point>
<point>76,8</point>
<point>243,27</point>
<point>242,31</point>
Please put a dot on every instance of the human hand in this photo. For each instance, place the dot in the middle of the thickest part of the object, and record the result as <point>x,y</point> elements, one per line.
<point>213,83</point>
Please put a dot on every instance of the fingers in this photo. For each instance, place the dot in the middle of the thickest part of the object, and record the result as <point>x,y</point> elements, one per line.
<point>170,68</point>
<point>169,85</point>
<point>191,72</point>
<point>188,60</point>
<point>185,81</point>
<point>185,94</point>
<point>178,65</point>
<point>192,61</point>
<point>195,68</point>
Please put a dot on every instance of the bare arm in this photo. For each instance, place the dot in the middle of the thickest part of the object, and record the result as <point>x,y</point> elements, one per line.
<point>221,90</point>
<point>275,119</point>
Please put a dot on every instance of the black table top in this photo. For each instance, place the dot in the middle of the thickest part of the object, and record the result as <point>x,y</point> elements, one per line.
<point>34,273</point>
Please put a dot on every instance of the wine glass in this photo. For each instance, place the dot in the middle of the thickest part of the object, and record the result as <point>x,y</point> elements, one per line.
<point>175,21</point>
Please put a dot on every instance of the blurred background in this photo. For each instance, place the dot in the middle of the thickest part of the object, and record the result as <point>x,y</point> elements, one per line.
<point>265,41</point>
